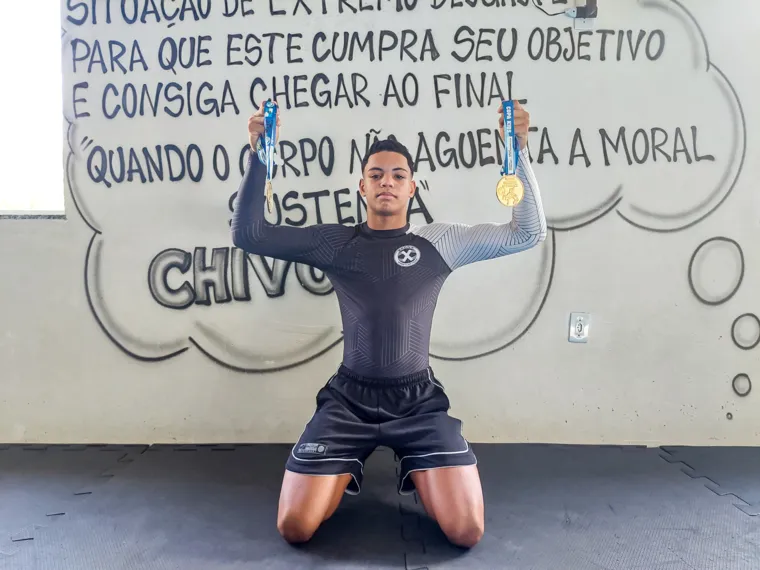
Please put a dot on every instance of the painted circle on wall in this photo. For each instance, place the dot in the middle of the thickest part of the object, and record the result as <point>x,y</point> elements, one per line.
<point>716,270</point>
<point>745,331</point>
<point>742,385</point>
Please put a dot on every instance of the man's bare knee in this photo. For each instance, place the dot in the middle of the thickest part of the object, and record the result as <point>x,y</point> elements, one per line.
<point>296,528</point>
<point>465,532</point>
<point>305,502</point>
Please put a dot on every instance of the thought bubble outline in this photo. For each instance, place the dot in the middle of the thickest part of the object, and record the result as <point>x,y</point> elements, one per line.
<point>627,210</point>
<point>165,350</point>
<point>733,331</point>
<point>724,188</point>
<point>690,271</point>
<point>749,385</point>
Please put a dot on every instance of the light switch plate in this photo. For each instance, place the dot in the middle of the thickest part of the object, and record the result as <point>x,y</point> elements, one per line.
<point>579,327</point>
<point>584,23</point>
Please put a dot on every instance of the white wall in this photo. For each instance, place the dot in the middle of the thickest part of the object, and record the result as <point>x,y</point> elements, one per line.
<point>86,348</point>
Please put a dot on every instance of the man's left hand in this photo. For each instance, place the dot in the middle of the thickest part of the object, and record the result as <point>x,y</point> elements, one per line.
<point>522,123</point>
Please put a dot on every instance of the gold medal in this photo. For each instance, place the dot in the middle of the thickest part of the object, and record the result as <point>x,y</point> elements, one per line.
<point>270,200</point>
<point>510,190</point>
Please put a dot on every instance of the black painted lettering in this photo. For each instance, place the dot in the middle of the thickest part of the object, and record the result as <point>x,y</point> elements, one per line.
<point>342,3</point>
<point>326,155</point>
<point>158,279</point>
<point>657,145</point>
<point>697,157</point>
<point>294,45</point>
<point>194,163</point>
<point>339,206</point>
<point>388,42</point>
<point>468,31</point>
<point>504,56</point>
<point>536,44</point>
<point>583,56</point>
<point>272,36</point>
<point>361,205</point>
<point>83,16</point>
<point>679,147</point>
<point>173,150</point>
<point>185,52</point>
<point>346,46</point>
<point>116,166</point>
<point>449,153</point>
<point>233,7</point>
<point>148,165</point>
<point>634,50</point>
<point>419,208</point>
<point>646,145</point>
<point>391,91</point>
<point>655,45</point>
<point>271,277</point>
<point>484,159</point>
<point>289,207</point>
<point>77,87</point>
<point>615,146</point>
<point>640,146</point>
<point>574,153</point>
<point>427,157</point>
<point>324,92</point>
<point>473,151</point>
<point>221,163</point>
<point>603,46</point>
<point>132,101</point>
<point>155,164</point>
<point>553,45</point>
<point>287,152</point>
<point>470,90</point>
<point>230,49</point>
<point>97,166</point>
<point>317,195</point>
<point>241,290</point>
<point>313,280</point>
<point>408,39</point>
<point>307,154</point>
<point>545,147</point>
<point>211,276</point>
<point>438,89</point>
<point>359,85</point>
<point>135,168</point>
<point>411,89</point>
<point>300,3</point>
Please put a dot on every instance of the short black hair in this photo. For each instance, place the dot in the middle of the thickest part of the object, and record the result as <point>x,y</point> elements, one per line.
<point>389,145</point>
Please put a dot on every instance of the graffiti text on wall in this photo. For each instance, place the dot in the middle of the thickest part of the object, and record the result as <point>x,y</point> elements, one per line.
<point>157,98</point>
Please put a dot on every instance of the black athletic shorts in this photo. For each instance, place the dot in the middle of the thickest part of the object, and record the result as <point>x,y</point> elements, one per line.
<point>355,415</point>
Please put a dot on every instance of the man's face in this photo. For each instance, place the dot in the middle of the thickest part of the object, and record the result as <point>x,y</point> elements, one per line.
<point>387,184</point>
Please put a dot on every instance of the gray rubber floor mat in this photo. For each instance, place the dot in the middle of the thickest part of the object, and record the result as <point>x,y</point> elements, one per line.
<point>40,482</point>
<point>588,508</point>
<point>215,507</point>
<point>726,471</point>
<point>547,508</point>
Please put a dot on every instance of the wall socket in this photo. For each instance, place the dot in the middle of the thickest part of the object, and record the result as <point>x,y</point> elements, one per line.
<point>579,327</point>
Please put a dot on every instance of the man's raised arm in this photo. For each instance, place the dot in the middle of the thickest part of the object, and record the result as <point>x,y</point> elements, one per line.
<point>461,244</point>
<point>313,245</point>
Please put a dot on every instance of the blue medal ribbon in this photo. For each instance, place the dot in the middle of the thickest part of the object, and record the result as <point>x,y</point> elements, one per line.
<point>266,151</point>
<point>511,143</point>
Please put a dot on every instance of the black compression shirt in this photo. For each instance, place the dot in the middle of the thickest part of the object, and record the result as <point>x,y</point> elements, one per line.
<point>387,281</point>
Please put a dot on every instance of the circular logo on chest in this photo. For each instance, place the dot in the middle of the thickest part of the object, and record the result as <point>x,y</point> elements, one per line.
<point>407,255</point>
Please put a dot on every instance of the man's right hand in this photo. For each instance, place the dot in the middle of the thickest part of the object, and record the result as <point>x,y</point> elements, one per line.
<point>256,125</point>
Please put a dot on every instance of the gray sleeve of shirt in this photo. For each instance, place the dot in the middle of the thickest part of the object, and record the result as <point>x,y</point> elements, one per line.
<point>462,244</point>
